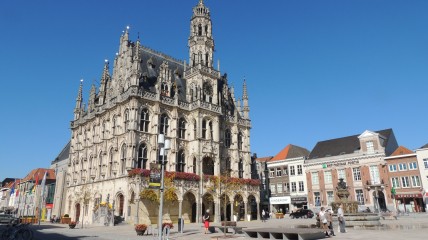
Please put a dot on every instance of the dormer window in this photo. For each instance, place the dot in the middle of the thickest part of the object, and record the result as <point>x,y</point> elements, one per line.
<point>164,89</point>
<point>370,147</point>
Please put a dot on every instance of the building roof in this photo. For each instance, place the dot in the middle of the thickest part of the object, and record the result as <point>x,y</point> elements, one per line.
<point>425,146</point>
<point>401,151</point>
<point>264,159</point>
<point>150,64</point>
<point>344,145</point>
<point>38,173</point>
<point>64,154</point>
<point>290,151</point>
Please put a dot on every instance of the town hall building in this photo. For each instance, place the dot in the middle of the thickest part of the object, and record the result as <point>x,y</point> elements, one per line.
<point>114,139</point>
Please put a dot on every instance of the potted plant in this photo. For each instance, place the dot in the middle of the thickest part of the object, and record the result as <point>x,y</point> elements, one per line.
<point>72,224</point>
<point>140,229</point>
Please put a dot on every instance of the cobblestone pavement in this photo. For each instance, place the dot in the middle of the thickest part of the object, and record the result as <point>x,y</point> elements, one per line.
<point>406,227</point>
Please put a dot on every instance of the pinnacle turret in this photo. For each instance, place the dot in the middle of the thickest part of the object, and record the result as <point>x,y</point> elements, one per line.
<point>79,99</point>
<point>246,107</point>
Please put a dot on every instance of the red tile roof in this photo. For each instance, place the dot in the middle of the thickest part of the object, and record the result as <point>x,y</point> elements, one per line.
<point>401,151</point>
<point>264,159</point>
<point>290,151</point>
<point>39,172</point>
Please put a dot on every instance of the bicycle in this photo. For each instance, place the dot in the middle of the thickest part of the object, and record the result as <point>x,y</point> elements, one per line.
<point>17,232</point>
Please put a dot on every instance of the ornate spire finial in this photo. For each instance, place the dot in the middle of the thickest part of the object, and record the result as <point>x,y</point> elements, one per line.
<point>80,93</point>
<point>244,95</point>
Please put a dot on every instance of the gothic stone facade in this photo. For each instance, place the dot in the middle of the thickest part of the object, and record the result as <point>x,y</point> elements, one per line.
<point>149,93</point>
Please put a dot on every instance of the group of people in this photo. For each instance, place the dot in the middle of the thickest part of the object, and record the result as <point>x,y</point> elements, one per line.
<point>55,219</point>
<point>326,220</point>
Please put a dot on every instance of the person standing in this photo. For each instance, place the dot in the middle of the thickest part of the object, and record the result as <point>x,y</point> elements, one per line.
<point>341,219</point>
<point>263,215</point>
<point>206,219</point>
<point>323,221</point>
<point>330,221</point>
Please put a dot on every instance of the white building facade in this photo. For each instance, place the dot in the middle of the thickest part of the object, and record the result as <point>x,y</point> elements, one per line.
<point>422,157</point>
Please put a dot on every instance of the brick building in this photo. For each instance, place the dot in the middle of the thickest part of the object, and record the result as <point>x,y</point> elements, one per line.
<point>404,177</point>
<point>358,159</point>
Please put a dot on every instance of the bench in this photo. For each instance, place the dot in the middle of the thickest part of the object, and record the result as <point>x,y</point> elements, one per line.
<point>235,229</point>
<point>285,233</point>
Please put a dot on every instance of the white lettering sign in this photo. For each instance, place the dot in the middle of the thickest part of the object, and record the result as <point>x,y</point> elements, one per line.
<point>280,200</point>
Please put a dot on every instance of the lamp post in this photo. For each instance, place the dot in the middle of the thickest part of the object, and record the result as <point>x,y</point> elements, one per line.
<point>164,145</point>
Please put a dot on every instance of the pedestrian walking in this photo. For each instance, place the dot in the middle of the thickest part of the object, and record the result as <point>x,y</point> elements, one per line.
<point>206,219</point>
<point>341,218</point>
<point>330,221</point>
<point>323,221</point>
<point>263,215</point>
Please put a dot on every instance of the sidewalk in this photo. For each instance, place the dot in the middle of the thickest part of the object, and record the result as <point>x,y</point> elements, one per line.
<point>406,227</point>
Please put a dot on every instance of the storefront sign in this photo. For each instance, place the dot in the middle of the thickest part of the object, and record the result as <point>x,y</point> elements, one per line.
<point>341,163</point>
<point>280,200</point>
<point>299,199</point>
<point>415,195</point>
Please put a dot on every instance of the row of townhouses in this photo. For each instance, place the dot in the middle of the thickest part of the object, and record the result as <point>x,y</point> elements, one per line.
<point>380,175</point>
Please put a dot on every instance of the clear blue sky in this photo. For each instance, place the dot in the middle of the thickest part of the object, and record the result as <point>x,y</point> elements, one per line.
<point>315,70</point>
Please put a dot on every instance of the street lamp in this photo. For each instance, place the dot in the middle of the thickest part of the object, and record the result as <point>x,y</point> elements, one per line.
<point>164,145</point>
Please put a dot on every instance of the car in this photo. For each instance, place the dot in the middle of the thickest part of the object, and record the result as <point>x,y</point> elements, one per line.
<point>302,213</point>
<point>7,218</point>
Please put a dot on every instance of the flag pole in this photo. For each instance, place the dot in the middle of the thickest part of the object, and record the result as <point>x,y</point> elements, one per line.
<point>42,193</point>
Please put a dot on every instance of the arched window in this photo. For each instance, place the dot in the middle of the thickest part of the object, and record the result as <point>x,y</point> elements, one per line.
<point>164,89</point>
<point>126,120</point>
<point>103,129</point>
<point>182,128</point>
<point>194,130</point>
<point>239,141</point>
<point>204,129</point>
<point>208,166</point>
<point>123,159</point>
<point>206,59</point>
<point>181,161</point>
<point>110,163</point>
<point>142,156</point>
<point>113,127</point>
<point>93,134</point>
<point>240,169</point>
<point>101,165</point>
<point>163,127</point>
<point>200,30</point>
<point>227,138</point>
<point>206,29</point>
<point>144,120</point>
<point>210,124</point>
<point>194,164</point>
<point>90,166</point>
<point>207,92</point>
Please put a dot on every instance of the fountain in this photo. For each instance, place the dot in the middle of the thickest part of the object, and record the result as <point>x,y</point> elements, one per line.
<point>350,209</point>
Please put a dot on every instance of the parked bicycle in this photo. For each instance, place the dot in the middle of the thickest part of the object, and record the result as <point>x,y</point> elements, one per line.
<point>20,231</point>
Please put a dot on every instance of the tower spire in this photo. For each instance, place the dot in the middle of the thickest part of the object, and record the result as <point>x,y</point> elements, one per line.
<point>105,78</point>
<point>246,107</point>
<point>201,42</point>
<point>79,99</point>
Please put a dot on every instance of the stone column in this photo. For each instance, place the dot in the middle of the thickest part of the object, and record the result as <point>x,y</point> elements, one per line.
<point>217,211</point>
<point>245,210</point>
<point>231,210</point>
<point>180,208</point>
<point>258,209</point>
